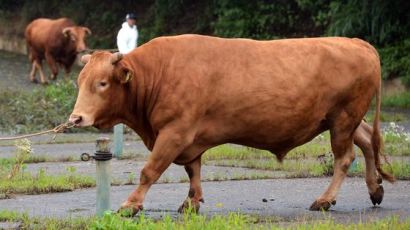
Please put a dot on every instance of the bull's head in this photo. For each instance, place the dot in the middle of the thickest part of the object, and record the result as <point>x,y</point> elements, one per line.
<point>103,88</point>
<point>76,35</point>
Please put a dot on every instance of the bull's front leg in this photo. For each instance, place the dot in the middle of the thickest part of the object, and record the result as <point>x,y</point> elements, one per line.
<point>168,146</point>
<point>192,202</point>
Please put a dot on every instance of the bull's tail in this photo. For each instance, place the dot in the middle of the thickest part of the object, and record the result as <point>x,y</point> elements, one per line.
<point>377,141</point>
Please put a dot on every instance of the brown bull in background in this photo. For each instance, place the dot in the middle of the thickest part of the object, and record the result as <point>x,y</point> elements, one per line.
<point>58,41</point>
<point>186,94</point>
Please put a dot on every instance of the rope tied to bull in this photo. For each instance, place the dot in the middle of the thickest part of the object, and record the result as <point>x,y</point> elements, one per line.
<point>58,129</point>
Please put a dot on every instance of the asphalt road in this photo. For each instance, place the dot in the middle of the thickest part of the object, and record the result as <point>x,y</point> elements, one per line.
<point>287,200</point>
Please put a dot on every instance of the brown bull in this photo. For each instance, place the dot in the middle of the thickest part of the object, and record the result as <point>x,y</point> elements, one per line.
<point>186,94</point>
<point>58,41</point>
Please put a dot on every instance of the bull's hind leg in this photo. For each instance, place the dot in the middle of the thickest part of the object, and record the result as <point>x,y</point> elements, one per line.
<point>342,145</point>
<point>53,66</point>
<point>362,138</point>
<point>192,202</point>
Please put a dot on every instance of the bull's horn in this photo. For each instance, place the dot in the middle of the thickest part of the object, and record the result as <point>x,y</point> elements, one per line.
<point>66,31</point>
<point>85,58</point>
<point>88,31</point>
<point>116,57</point>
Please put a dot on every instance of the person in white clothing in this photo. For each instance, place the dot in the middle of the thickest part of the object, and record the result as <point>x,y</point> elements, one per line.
<point>126,41</point>
<point>128,35</point>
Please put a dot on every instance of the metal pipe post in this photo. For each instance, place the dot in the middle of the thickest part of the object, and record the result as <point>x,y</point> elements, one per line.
<point>118,140</point>
<point>103,177</point>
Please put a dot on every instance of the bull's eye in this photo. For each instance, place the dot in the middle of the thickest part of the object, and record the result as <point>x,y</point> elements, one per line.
<point>73,39</point>
<point>102,84</point>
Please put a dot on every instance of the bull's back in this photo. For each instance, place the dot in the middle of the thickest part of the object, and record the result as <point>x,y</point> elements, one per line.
<point>43,32</point>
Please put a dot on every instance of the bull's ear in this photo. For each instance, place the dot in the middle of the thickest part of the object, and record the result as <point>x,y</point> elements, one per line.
<point>85,58</point>
<point>124,75</point>
<point>87,31</point>
<point>66,31</point>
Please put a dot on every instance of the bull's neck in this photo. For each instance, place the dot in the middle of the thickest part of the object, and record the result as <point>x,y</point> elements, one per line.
<point>143,92</point>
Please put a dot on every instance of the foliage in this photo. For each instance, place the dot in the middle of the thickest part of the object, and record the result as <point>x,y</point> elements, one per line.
<point>263,19</point>
<point>377,21</point>
<point>396,61</point>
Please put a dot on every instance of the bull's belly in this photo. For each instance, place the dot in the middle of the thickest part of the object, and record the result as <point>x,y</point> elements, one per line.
<point>276,136</point>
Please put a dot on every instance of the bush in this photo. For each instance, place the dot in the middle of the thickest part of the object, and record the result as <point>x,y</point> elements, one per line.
<point>396,61</point>
<point>265,19</point>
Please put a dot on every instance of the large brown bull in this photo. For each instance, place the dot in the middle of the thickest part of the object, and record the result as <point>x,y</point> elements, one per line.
<point>58,41</point>
<point>186,94</point>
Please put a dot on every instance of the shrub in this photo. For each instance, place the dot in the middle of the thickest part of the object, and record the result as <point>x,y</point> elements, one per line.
<point>396,61</point>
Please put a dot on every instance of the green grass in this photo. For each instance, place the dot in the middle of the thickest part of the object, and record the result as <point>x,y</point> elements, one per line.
<point>387,117</point>
<point>396,141</point>
<point>400,169</point>
<point>26,183</point>
<point>293,169</point>
<point>27,222</point>
<point>296,166</point>
<point>401,100</point>
<point>318,146</point>
<point>192,221</point>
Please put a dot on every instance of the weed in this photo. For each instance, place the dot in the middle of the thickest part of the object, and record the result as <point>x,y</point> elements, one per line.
<point>22,153</point>
<point>131,178</point>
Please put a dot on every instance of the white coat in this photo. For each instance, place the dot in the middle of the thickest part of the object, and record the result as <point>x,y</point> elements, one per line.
<point>127,38</point>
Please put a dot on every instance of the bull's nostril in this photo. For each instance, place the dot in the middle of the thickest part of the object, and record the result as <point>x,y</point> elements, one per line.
<point>75,119</point>
<point>78,120</point>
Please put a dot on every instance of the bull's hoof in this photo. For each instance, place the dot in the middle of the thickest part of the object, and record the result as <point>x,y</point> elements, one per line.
<point>34,81</point>
<point>190,205</point>
<point>129,209</point>
<point>377,197</point>
<point>53,77</point>
<point>321,205</point>
<point>44,82</point>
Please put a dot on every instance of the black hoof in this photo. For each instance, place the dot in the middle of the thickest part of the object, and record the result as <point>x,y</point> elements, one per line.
<point>34,81</point>
<point>377,197</point>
